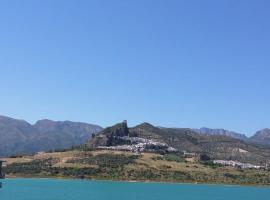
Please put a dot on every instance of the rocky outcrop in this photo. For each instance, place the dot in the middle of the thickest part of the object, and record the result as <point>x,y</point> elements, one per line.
<point>110,136</point>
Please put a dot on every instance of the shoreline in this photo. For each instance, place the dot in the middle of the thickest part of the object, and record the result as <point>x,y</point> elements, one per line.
<point>136,181</point>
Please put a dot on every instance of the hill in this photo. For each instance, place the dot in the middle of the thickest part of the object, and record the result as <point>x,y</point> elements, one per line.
<point>19,136</point>
<point>118,165</point>
<point>183,140</point>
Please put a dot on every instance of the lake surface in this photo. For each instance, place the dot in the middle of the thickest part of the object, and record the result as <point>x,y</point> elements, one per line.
<point>51,189</point>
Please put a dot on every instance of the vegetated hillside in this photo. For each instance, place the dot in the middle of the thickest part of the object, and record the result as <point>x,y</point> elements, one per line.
<point>210,131</point>
<point>184,139</point>
<point>116,165</point>
<point>261,137</point>
<point>18,136</point>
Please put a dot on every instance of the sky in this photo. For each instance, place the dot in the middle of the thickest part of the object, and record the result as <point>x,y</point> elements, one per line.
<point>171,63</point>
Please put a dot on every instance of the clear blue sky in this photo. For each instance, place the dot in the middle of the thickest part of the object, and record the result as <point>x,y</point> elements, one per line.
<point>170,63</point>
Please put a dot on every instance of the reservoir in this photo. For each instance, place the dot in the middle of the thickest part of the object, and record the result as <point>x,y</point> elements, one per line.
<point>55,189</point>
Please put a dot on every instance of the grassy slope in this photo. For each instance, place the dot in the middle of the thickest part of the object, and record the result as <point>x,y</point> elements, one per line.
<point>215,146</point>
<point>128,166</point>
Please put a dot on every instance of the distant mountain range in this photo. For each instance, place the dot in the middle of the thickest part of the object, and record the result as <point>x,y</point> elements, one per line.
<point>262,136</point>
<point>209,131</point>
<point>19,136</point>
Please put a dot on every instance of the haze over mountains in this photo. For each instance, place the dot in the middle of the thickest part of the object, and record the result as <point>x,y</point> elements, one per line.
<point>210,131</point>
<point>19,136</point>
<point>262,136</point>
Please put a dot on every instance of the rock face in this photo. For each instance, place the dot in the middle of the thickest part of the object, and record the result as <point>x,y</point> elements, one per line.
<point>19,136</point>
<point>262,136</point>
<point>119,130</point>
<point>209,131</point>
<point>110,136</point>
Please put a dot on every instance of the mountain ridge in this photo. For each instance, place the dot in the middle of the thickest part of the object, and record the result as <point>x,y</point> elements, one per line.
<point>19,136</point>
<point>221,131</point>
<point>261,136</point>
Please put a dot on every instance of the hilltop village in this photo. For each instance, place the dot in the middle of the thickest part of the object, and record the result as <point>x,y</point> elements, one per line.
<point>139,145</point>
<point>119,139</point>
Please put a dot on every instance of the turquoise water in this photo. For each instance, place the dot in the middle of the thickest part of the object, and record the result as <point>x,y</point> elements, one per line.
<point>50,189</point>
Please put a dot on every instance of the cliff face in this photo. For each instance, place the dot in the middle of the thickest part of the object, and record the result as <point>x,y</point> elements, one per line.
<point>109,136</point>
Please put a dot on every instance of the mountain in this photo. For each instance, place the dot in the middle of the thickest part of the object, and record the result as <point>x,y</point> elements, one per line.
<point>19,136</point>
<point>209,131</point>
<point>261,137</point>
<point>216,146</point>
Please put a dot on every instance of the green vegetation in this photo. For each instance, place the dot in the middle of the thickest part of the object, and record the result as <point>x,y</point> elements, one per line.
<point>170,158</point>
<point>107,160</point>
<point>173,158</point>
<point>128,166</point>
<point>33,167</point>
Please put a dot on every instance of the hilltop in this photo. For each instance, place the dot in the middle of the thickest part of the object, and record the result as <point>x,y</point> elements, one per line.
<point>158,139</point>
